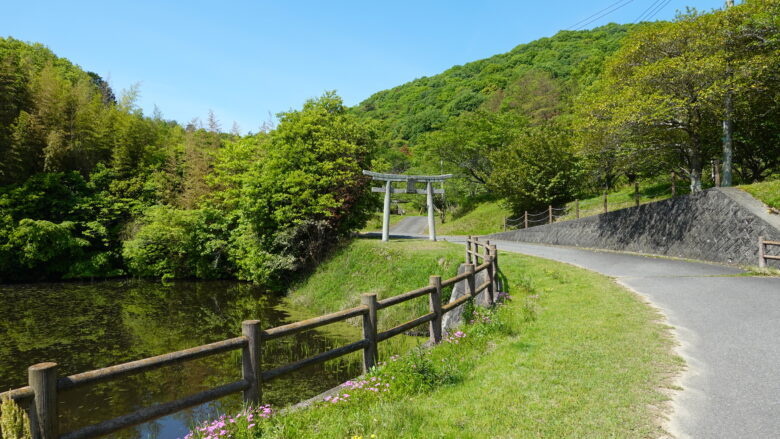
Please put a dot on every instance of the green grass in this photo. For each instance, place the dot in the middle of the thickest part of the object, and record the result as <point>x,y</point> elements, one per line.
<point>768,192</point>
<point>571,355</point>
<point>371,266</point>
<point>485,218</point>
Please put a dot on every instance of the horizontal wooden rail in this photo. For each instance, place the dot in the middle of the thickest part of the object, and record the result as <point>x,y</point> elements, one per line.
<point>454,280</point>
<point>482,287</point>
<point>382,336</point>
<point>155,411</point>
<point>762,248</point>
<point>292,328</point>
<point>107,373</point>
<point>45,385</point>
<point>404,297</point>
<point>455,303</point>
<point>319,358</point>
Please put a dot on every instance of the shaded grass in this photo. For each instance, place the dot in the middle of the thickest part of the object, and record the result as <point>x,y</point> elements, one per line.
<point>768,192</point>
<point>572,355</point>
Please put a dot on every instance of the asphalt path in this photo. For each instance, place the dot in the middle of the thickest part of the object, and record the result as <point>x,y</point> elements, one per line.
<point>728,327</point>
<point>412,225</point>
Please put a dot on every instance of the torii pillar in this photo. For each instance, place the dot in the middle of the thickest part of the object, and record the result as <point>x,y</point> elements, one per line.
<point>411,182</point>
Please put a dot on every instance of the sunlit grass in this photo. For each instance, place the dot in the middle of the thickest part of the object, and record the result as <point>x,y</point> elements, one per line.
<point>572,354</point>
<point>768,192</point>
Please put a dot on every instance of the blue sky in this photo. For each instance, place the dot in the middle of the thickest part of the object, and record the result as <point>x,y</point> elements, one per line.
<point>246,59</point>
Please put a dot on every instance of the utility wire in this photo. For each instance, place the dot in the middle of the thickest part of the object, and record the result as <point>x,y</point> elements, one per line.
<point>601,14</point>
<point>591,16</point>
<point>658,9</point>
<point>647,11</point>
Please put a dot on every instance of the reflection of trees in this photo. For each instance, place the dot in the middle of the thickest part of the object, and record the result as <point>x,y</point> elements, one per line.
<point>87,326</point>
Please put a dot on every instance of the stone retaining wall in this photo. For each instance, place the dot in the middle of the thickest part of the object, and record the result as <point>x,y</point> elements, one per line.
<point>720,225</point>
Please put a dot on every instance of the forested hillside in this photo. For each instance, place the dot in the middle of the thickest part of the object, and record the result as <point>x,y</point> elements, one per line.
<point>90,186</point>
<point>583,112</point>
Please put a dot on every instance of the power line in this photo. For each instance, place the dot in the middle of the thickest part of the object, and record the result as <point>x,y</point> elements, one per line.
<point>601,14</point>
<point>591,16</point>
<point>658,9</point>
<point>646,11</point>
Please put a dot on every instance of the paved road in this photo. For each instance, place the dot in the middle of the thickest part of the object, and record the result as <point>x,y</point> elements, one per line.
<point>412,225</point>
<point>728,327</point>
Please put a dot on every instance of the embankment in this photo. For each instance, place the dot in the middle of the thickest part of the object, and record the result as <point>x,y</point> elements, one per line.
<point>719,225</point>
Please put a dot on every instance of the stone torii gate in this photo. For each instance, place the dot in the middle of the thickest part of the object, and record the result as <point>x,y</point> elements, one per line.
<point>411,183</point>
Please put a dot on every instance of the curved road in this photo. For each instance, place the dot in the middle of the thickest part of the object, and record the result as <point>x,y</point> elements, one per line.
<point>728,326</point>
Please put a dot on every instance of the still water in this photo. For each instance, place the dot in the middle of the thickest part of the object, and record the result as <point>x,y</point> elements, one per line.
<point>84,326</point>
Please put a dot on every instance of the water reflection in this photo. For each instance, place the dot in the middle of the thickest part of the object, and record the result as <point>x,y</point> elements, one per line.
<point>84,326</point>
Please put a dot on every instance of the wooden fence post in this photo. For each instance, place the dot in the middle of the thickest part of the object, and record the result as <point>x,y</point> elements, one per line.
<point>251,356</point>
<point>470,280</point>
<point>42,378</point>
<point>577,207</point>
<point>492,272</point>
<point>468,249</point>
<point>636,193</point>
<point>549,214</point>
<point>526,219</point>
<point>761,252</point>
<point>505,223</point>
<point>674,183</point>
<point>605,202</point>
<point>434,302</point>
<point>370,353</point>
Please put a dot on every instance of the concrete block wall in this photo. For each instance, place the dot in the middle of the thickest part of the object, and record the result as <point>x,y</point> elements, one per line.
<point>719,225</point>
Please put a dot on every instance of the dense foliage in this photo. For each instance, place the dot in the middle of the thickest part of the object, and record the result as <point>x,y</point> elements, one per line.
<point>612,105</point>
<point>93,187</point>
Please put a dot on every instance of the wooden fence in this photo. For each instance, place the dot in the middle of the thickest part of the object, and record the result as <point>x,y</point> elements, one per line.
<point>763,257</point>
<point>44,384</point>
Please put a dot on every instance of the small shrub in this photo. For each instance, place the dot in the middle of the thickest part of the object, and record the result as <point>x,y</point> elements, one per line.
<point>14,423</point>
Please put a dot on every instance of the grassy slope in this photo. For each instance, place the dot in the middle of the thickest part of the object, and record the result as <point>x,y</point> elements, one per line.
<point>768,192</point>
<point>370,266</point>
<point>590,365</point>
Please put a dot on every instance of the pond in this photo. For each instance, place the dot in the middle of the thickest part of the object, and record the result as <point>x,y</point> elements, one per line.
<point>84,326</point>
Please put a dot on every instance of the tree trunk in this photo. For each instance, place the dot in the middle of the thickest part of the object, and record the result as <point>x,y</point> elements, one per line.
<point>695,173</point>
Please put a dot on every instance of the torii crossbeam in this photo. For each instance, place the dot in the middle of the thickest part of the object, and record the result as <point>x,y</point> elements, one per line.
<point>411,188</point>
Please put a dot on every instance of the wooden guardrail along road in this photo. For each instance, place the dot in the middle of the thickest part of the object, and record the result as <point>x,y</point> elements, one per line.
<point>762,249</point>
<point>44,384</point>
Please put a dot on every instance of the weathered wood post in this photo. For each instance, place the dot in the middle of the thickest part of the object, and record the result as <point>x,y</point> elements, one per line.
<point>431,220</point>
<point>636,193</point>
<point>605,202</point>
<point>526,219</point>
<point>470,280</point>
<point>370,352</point>
<point>251,356</point>
<point>491,289</point>
<point>549,215</point>
<point>761,252</point>
<point>674,183</point>
<point>386,212</point>
<point>577,208</point>
<point>42,378</point>
<point>505,223</point>
<point>468,249</point>
<point>434,302</point>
